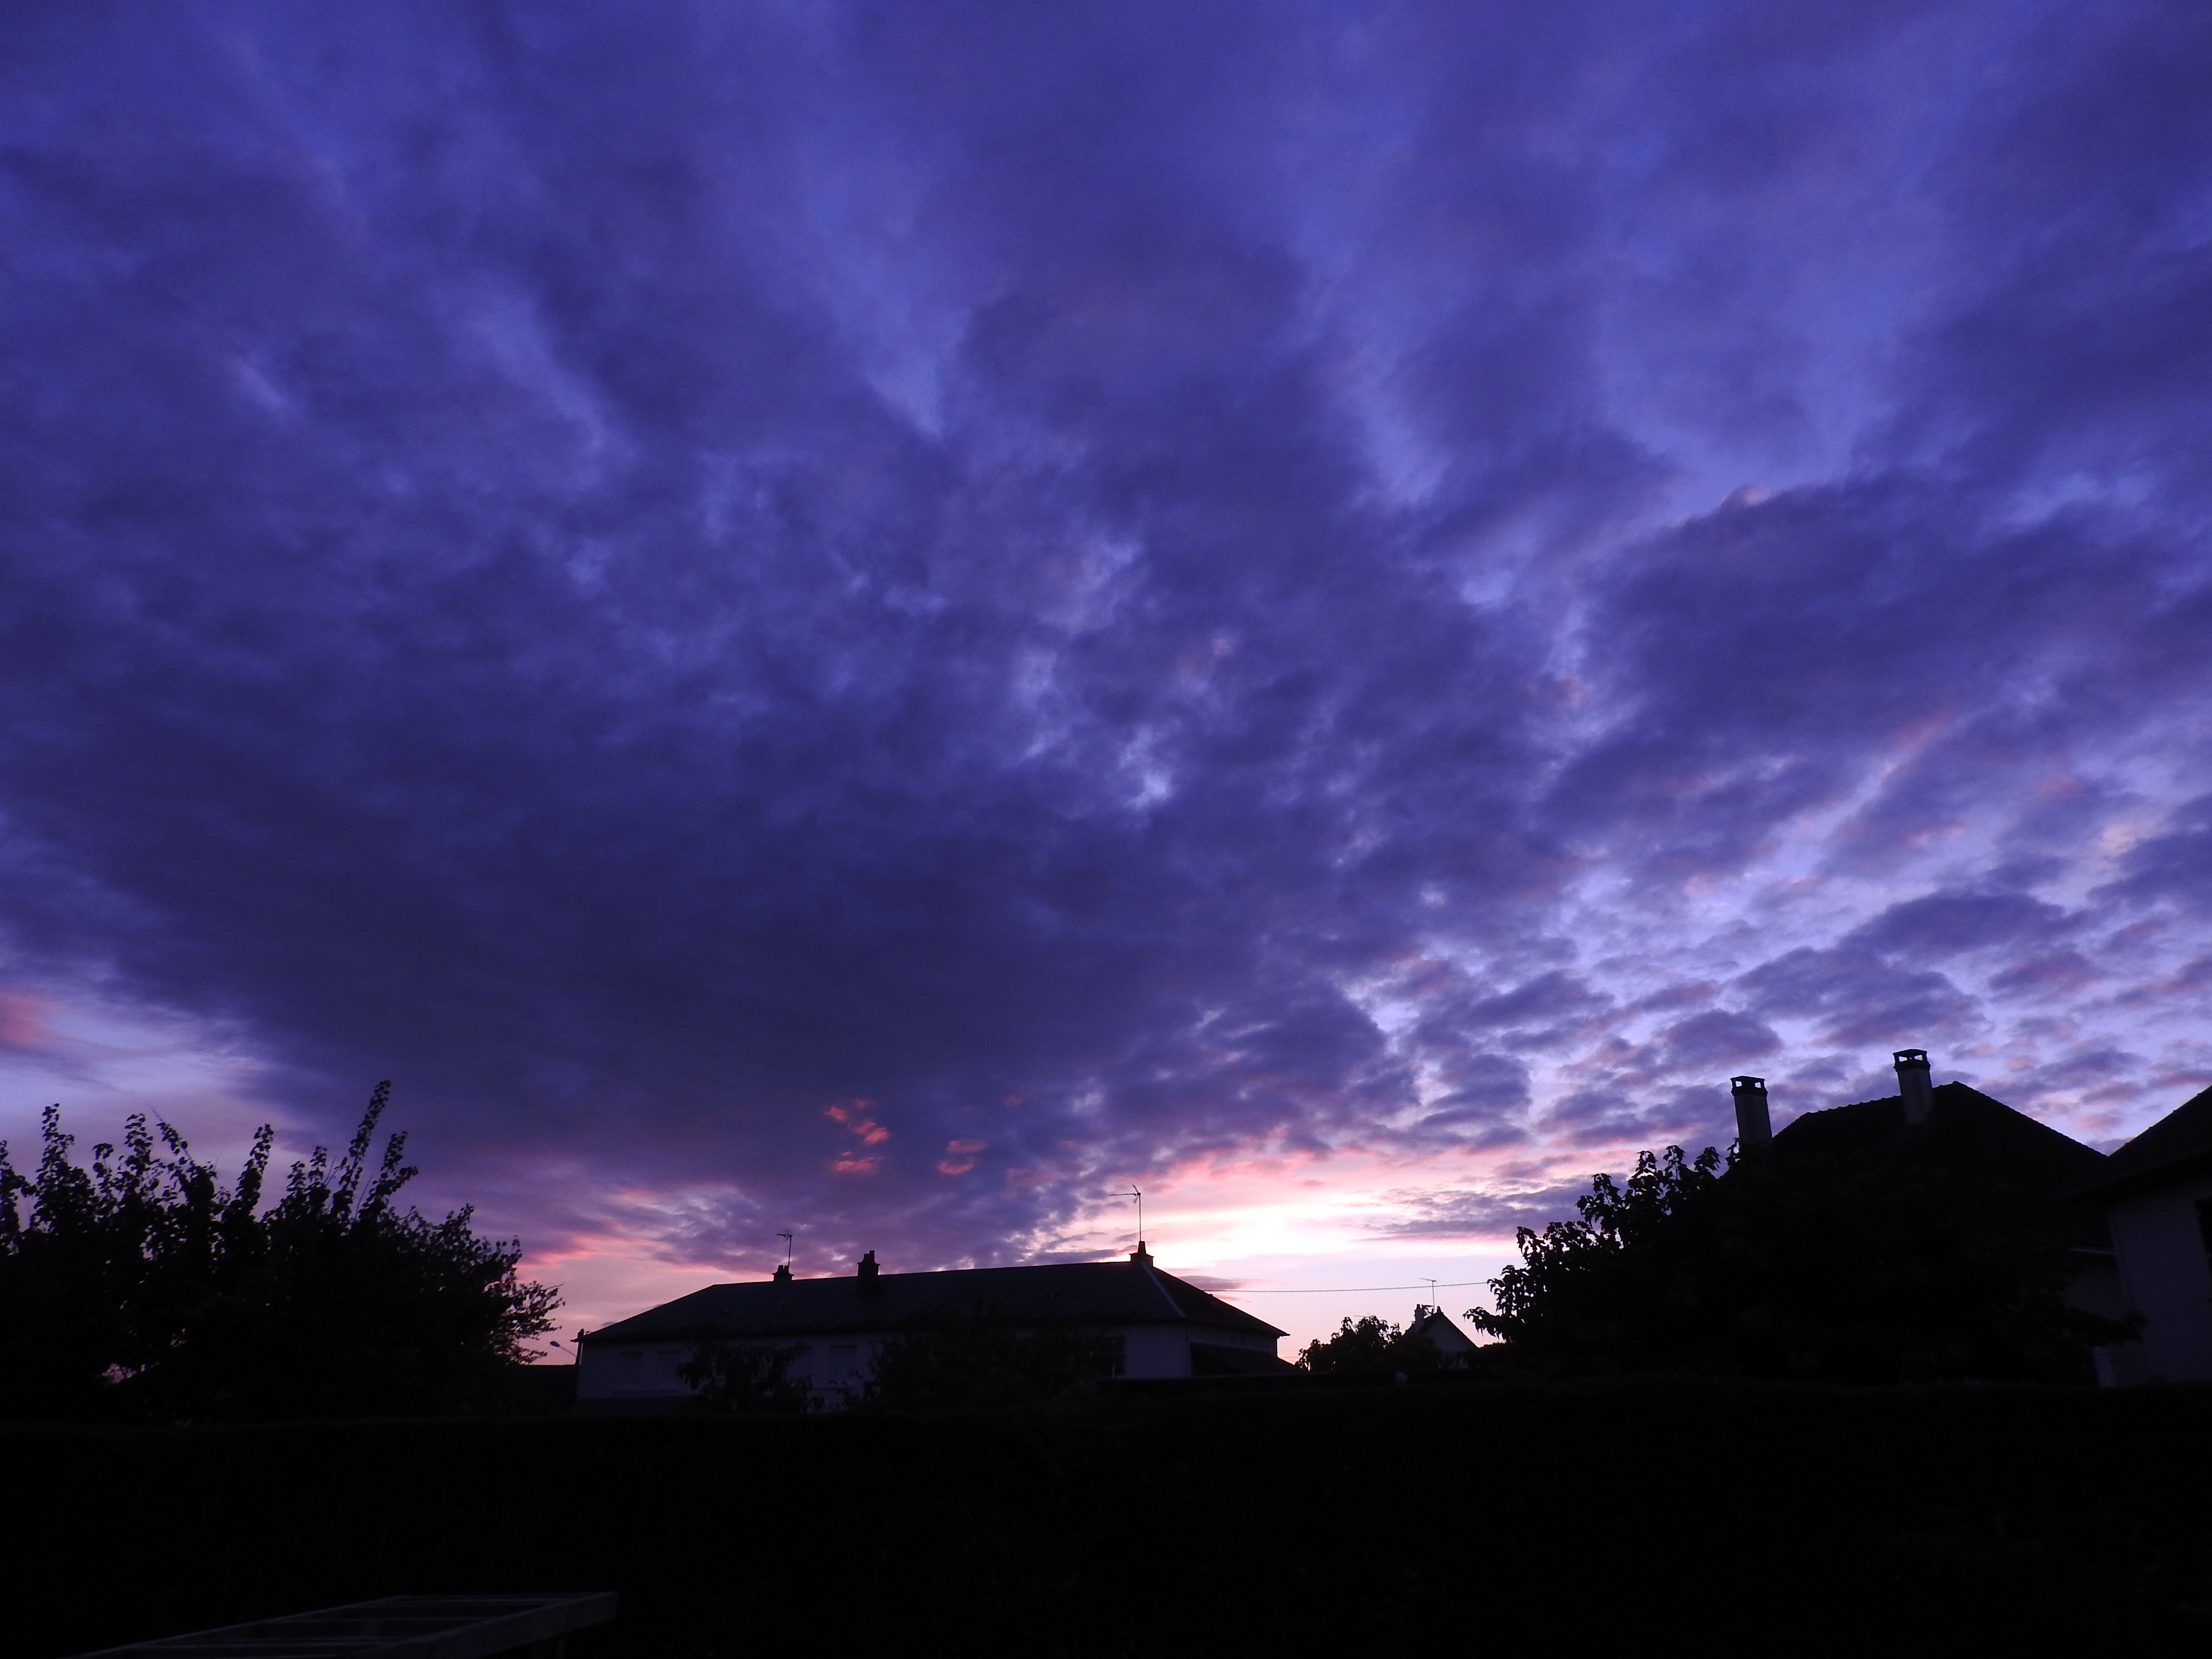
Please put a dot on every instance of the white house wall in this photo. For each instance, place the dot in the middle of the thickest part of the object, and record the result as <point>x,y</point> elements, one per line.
<point>2162,1263</point>
<point>837,1366</point>
<point>630,1370</point>
<point>1155,1351</point>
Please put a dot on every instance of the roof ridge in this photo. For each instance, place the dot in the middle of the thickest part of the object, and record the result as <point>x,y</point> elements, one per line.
<point>1099,1292</point>
<point>2182,1137</point>
<point>1166,1295</point>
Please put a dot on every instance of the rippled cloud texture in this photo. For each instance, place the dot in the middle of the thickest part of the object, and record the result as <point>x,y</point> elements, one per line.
<point>897,616</point>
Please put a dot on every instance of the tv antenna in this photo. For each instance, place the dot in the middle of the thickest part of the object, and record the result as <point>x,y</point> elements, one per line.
<point>1139,1197</point>
<point>1434,1305</point>
<point>785,1237</point>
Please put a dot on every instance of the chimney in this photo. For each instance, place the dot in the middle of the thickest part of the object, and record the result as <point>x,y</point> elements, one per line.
<point>1912,1084</point>
<point>1141,1255</point>
<point>1753,1127</point>
<point>868,1270</point>
<point>783,1272</point>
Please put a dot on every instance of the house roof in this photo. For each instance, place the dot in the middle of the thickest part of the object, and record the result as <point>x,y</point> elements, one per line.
<point>1979,1142</point>
<point>2178,1143</point>
<point>1073,1292</point>
<point>1442,1333</point>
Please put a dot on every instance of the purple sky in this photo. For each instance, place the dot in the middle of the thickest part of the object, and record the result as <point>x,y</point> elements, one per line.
<point>882,619</point>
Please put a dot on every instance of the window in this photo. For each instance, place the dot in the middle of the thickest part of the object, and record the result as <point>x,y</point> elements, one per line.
<point>844,1365</point>
<point>629,1370</point>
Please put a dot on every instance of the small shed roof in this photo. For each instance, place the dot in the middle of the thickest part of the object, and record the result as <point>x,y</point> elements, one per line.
<point>1071,1293</point>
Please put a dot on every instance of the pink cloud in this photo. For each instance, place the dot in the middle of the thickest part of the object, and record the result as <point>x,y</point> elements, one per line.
<point>961,1157</point>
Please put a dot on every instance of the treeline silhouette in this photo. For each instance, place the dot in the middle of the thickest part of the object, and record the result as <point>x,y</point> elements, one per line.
<point>1780,1264</point>
<point>1343,1510</point>
<point>1367,1347</point>
<point>143,1288</point>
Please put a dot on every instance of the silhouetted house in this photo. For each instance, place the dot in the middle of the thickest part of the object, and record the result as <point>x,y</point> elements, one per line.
<point>1161,1325</point>
<point>2156,1196</point>
<point>1983,1144</point>
<point>1435,1328</point>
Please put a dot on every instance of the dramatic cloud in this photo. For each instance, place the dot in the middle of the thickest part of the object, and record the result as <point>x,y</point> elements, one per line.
<point>892,617</point>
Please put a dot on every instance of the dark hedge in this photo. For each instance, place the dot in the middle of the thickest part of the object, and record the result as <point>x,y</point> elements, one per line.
<point>1639,1518</point>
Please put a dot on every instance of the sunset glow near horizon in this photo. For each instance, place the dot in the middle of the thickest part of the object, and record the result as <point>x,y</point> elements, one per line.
<point>881,622</point>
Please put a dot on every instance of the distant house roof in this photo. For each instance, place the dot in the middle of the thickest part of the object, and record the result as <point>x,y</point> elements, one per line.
<point>1073,1293</point>
<point>1437,1328</point>
<point>1979,1142</point>
<point>2180,1142</point>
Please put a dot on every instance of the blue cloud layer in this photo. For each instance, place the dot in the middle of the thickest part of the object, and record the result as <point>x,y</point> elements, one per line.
<point>1106,584</point>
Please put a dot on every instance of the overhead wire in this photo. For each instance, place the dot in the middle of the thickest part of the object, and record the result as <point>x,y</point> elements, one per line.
<point>1356,1290</point>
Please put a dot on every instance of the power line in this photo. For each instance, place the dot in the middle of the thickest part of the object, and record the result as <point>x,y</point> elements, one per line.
<point>1359,1290</point>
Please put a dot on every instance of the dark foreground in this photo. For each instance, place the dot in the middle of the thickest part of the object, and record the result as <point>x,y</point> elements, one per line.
<point>1624,1519</point>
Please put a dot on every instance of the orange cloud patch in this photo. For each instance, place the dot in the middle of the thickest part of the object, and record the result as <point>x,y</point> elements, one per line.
<point>855,1116</point>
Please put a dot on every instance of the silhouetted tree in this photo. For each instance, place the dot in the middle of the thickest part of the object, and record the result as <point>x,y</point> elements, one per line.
<point>1369,1346</point>
<point>142,1287</point>
<point>984,1361</point>
<point>744,1376</point>
<point>1783,1266</point>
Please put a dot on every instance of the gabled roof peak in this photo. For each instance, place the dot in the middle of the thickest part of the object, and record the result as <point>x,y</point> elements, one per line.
<point>1979,1140</point>
<point>1073,1292</point>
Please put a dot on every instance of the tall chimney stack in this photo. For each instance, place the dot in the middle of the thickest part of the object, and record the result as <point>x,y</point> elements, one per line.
<point>1912,1084</point>
<point>1753,1127</point>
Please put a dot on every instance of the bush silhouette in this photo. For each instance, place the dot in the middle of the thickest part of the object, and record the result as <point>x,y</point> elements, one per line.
<point>744,1376</point>
<point>983,1360</point>
<point>1369,1346</point>
<point>144,1288</point>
